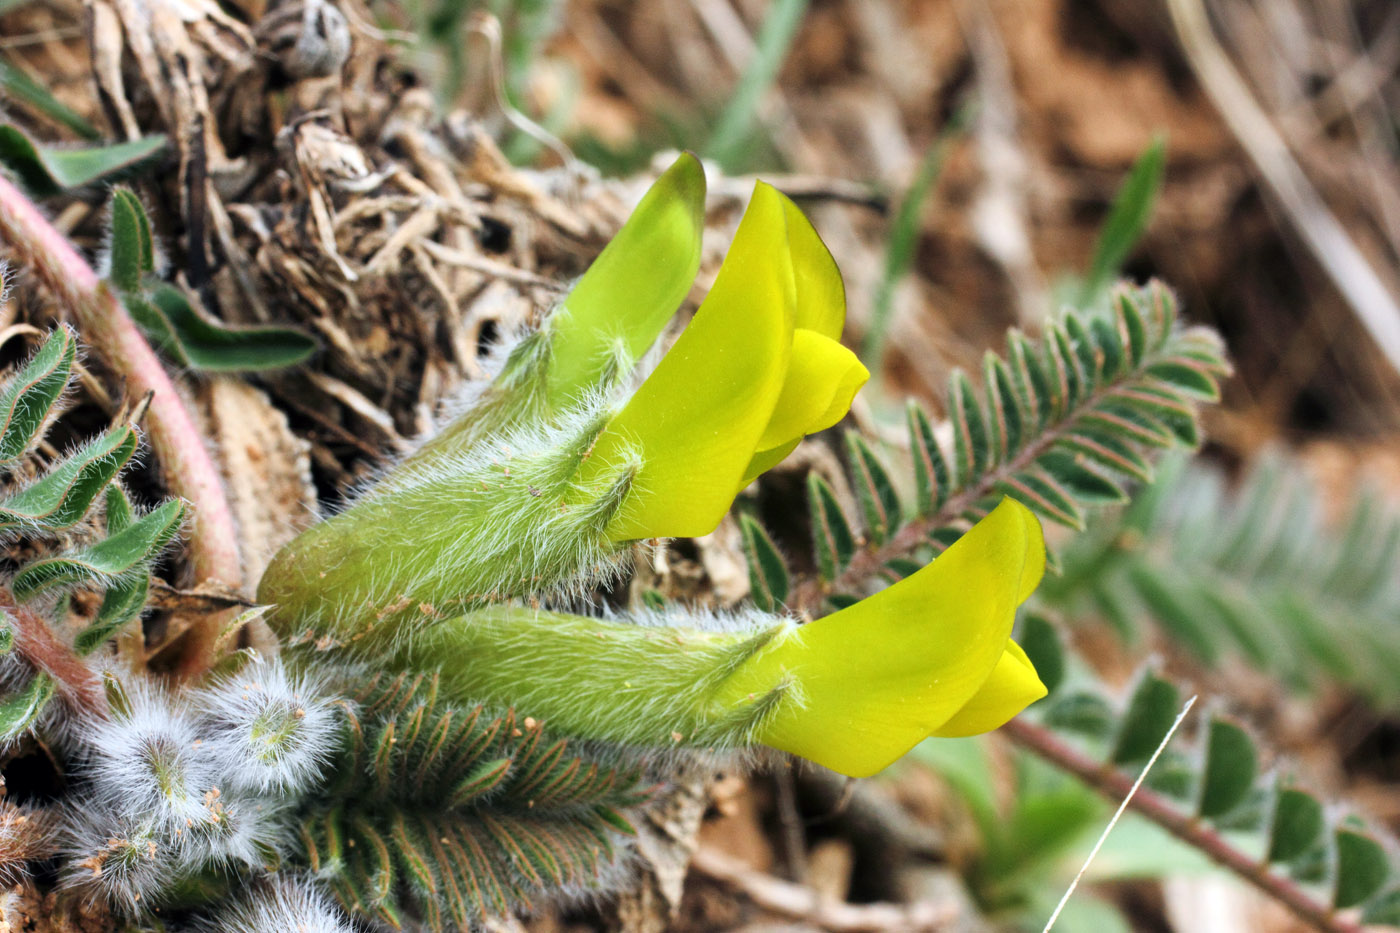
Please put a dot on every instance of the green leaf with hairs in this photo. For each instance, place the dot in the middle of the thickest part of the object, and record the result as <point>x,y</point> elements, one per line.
<point>971,448</point>
<point>132,250</point>
<point>192,340</point>
<point>123,601</point>
<point>63,496</point>
<point>834,542</point>
<point>49,170</point>
<point>105,563</point>
<point>931,476</point>
<point>29,396</point>
<point>769,580</point>
<point>879,503</point>
<point>19,710</point>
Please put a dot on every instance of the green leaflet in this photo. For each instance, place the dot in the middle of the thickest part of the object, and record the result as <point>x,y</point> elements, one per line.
<point>1151,710</point>
<point>19,710</point>
<point>123,600</point>
<point>48,171</point>
<point>61,497</point>
<point>769,580</point>
<point>874,490</point>
<point>1362,868</point>
<point>1230,766</point>
<point>168,318</point>
<point>105,563</point>
<point>31,393</point>
<point>835,544</point>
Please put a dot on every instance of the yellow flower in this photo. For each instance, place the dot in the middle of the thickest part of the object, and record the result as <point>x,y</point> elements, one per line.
<point>759,367</point>
<point>931,655</point>
<point>634,286</point>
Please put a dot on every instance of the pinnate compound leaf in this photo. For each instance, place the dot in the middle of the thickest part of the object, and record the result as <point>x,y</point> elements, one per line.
<point>29,396</point>
<point>107,562</point>
<point>168,318</point>
<point>63,496</point>
<point>48,170</point>
<point>1230,766</point>
<point>769,580</point>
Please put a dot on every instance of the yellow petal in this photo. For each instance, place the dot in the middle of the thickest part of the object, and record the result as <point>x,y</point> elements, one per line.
<point>634,286</point>
<point>821,295</point>
<point>822,378</point>
<point>1013,686</point>
<point>697,419</point>
<point>765,460</point>
<point>880,676</point>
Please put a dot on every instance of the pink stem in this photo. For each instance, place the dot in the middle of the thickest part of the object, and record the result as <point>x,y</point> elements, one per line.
<point>190,472</point>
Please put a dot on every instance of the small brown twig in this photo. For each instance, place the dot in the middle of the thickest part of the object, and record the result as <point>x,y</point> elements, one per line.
<point>190,472</point>
<point>799,902</point>
<point>1115,785</point>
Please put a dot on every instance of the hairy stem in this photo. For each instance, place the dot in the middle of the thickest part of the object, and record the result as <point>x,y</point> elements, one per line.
<point>1115,785</point>
<point>190,472</point>
<point>36,643</point>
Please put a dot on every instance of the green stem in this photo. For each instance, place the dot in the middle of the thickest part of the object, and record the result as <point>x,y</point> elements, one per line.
<point>190,471</point>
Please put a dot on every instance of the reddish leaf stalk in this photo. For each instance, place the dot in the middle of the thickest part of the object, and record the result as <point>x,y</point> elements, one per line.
<point>190,471</point>
<point>36,643</point>
<point>1115,785</point>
